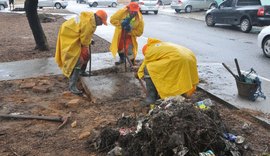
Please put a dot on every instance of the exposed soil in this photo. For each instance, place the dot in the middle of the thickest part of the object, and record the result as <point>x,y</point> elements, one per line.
<point>17,41</point>
<point>49,96</point>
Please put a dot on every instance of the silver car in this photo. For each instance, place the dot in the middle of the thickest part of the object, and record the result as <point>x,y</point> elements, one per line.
<point>3,4</point>
<point>189,5</point>
<point>148,5</point>
<point>58,4</point>
<point>109,3</point>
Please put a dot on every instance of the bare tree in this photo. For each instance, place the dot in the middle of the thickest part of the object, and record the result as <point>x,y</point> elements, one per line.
<point>30,7</point>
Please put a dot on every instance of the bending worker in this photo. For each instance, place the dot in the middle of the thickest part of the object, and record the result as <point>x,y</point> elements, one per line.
<point>74,38</point>
<point>168,70</point>
<point>129,25</point>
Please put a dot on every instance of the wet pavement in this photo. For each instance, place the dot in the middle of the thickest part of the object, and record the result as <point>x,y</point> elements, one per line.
<point>216,80</point>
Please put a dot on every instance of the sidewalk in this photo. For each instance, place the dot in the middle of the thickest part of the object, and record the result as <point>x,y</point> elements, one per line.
<point>214,77</point>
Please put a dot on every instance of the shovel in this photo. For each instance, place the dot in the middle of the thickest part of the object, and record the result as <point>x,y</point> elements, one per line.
<point>241,77</point>
<point>236,77</point>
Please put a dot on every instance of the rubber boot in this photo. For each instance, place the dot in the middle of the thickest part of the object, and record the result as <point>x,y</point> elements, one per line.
<point>73,82</point>
<point>121,60</point>
<point>152,92</point>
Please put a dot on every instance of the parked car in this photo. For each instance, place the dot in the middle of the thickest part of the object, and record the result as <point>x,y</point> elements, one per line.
<point>246,13</point>
<point>166,2</point>
<point>264,41</point>
<point>189,5</point>
<point>148,5</point>
<point>109,3</point>
<point>3,4</point>
<point>58,4</point>
<point>81,1</point>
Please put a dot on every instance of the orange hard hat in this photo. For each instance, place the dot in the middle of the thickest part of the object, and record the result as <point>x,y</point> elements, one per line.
<point>103,15</point>
<point>134,6</point>
<point>144,49</point>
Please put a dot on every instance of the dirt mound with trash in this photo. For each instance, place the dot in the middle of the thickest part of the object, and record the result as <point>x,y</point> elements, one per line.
<point>176,126</point>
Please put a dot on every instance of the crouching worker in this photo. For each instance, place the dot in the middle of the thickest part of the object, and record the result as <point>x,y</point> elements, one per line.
<point>168,70</point>
<point>129,25</point>
<point>72,49</point>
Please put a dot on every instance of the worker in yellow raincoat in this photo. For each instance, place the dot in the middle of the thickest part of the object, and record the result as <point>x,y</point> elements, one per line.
<point>129,25</point>
<point>168,70</point>
<point>74,38</point>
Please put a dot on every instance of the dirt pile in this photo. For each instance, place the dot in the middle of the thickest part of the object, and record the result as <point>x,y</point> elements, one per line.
<point>175,127</point>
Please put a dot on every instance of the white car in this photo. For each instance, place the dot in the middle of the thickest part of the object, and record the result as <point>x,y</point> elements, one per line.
<point>58,4</point>
<point>109,3</point>
<point>264,41</point>
<point>148,5</point>
<point>3,4</point>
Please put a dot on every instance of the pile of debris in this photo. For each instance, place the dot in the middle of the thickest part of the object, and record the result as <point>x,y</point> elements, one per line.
<point>174,127</point>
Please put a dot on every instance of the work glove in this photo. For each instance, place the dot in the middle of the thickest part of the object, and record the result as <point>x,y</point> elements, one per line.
<point>127,28</point>
<point>125,22</point>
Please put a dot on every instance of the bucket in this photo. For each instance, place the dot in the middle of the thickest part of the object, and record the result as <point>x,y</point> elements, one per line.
<point>246,90</point>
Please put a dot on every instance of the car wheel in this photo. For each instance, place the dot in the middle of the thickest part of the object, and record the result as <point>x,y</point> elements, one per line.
<point>146,12</point>
<point>2,7</point>
<point>58,6</point>
<point>155,12</point>
<point>209,20</point>
<point>245,25</point>
<point>95,4</point>
<point>177,10</point>
<point>40,7</point>
<point>213,6</point>
<point>266,47</point>
<point>64,7</point>
<point>188,9</point>
<point>113,5</point>
<point>90,5</point>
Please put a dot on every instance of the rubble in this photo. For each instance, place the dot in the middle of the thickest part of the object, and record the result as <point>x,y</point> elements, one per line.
<point>180,129</point>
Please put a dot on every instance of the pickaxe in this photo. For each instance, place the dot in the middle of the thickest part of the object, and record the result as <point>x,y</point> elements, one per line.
<point>64,120</point>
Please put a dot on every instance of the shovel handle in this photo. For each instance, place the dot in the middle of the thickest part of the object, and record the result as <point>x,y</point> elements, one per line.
<point>143,86</point>
<point>238,69</point>
<point>230,71</point>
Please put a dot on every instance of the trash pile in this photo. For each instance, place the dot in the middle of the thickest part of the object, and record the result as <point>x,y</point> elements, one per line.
<point>175,127</point>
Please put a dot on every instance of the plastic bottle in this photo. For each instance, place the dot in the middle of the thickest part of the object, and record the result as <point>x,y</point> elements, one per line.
<point>204,104</point>
<point>230,137</point>
<point>207,153</point>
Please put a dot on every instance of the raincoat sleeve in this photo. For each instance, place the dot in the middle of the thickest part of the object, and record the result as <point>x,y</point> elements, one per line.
<point>138,31</point>
<point>86,32</point>
<point>141,70</point>
<point>117,17</point>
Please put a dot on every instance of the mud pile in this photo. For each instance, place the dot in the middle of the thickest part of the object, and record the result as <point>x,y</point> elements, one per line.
<point>175,127</point>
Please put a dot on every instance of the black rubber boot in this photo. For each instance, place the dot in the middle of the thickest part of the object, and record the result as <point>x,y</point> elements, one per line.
<point>152,92</point>
<point>121,60</point>
<point>73,82</point>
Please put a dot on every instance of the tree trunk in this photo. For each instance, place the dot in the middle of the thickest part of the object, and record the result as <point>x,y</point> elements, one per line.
<point>30,7</point>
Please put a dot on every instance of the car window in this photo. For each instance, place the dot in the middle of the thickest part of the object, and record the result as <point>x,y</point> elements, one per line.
<point>265,2</point>
<point>227,3</point>
<point>248,2</point>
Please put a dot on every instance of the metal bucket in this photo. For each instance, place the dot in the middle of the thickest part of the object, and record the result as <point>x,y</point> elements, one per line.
<point>246,90</point>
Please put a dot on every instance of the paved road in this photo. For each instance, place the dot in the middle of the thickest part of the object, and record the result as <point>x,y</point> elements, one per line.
<point>211,44</point>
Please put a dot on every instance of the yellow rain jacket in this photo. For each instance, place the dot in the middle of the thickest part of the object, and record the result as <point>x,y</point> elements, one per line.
<point>172,68</point>
<point>137,30</point>
<point>74,34</point>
